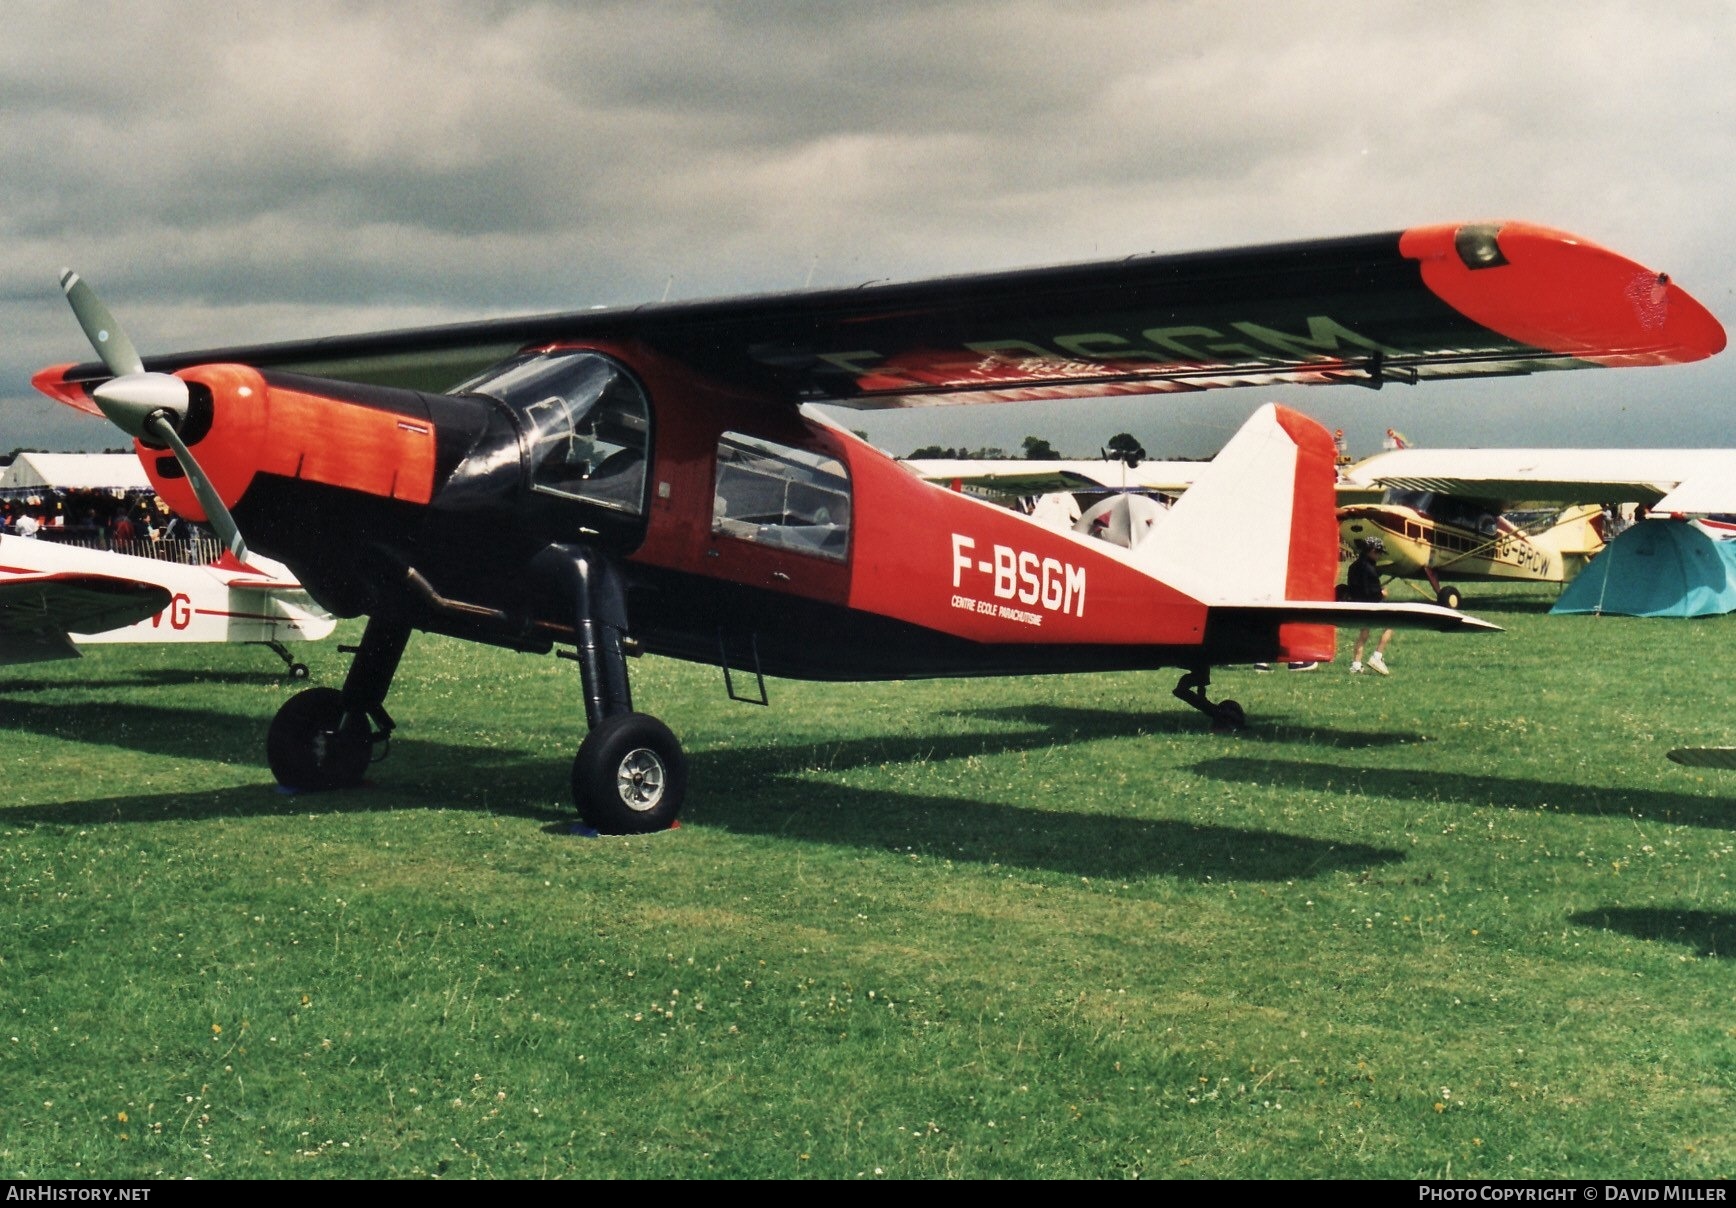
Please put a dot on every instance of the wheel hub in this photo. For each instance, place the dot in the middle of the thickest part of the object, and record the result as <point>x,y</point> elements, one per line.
<point>640,779</point>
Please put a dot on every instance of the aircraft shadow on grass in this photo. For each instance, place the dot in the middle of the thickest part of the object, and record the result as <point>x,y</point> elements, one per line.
<point>155,677</point>
<point>1064,723</point>
<point>133,726</point>
<point>1469,789</point>
<point>264,799</point>
<point>792,807</point>
<point>983,832</point>
<point>1712,933</point>
<point>773,796</point>
<point>1044,727</point>
<point>200,734</point>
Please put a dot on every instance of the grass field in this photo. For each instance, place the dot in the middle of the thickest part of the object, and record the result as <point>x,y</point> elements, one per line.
<point>1466,921</point>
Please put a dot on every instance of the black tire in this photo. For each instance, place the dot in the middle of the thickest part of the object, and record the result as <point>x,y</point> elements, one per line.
<point>298,671</point>
<point>1228,715</point>
<point>630,776</point>
<point>306,750</point>
<point>1449,597</point>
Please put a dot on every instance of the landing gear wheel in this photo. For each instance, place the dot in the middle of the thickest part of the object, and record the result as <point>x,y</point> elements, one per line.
<point>1448,597</point>
<point>298,671</point>
<point>1228,715</point>
<point>630,776</point>
<point>306,749</point>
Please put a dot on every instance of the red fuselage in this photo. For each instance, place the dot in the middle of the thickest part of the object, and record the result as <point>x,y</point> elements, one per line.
<point>431,506</point>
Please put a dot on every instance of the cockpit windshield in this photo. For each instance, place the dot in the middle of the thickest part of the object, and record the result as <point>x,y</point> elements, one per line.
<point>586,424</point>
<point>1416,500</point>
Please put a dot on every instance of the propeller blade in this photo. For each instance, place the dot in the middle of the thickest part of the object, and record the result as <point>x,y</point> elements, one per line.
<point>159,427</point>
<point>146,404</point>
<point>100,328</point>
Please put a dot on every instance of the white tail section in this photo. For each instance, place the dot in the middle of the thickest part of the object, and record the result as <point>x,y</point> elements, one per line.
<point>1258,526</point>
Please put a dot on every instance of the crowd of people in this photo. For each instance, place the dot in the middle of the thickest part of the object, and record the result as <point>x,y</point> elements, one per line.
<point>134,522</point>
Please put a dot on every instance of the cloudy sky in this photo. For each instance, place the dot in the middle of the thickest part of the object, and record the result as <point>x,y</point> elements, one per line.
<point>230,172</point>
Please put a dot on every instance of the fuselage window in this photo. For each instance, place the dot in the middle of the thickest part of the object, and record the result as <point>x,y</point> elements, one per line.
<point>776,495</point>
<point>585,424</point>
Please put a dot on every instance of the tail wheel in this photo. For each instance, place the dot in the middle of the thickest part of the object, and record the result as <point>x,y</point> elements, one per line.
<point>630,776</point>
<point>1448,597</point>
<point>306,748</point>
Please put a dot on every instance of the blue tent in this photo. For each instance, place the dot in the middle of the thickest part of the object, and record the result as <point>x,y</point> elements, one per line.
<point>1658,568</point>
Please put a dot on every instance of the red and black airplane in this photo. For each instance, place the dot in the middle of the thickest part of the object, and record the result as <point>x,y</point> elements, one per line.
<point>644,479</point>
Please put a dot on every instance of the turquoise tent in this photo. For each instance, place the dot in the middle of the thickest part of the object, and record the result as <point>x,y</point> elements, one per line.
<point>1658,568</point>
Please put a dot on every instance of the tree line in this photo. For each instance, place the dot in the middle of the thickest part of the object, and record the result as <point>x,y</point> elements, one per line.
<point>1123,446</point>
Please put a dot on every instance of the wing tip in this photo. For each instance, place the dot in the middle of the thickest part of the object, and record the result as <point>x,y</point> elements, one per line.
<point>1554,290</point>
<point>53,382</point>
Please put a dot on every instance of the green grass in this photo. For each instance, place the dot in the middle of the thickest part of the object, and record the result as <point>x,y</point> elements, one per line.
<point>1466,921</point>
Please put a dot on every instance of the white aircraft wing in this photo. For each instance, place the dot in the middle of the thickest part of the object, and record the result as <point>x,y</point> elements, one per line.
<point>1680,481</point>
<point>1019,477</point>
<point>55,597</point>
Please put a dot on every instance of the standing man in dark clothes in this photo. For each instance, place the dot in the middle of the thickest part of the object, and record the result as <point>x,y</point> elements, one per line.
<point>1363,586</point>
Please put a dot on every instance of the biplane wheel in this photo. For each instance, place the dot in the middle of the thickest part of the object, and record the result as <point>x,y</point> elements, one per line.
<point>298,671</point>
<point>305,748</point>
<point>1448,597</point>
<point>1228,715</point>
<point>630,777</point>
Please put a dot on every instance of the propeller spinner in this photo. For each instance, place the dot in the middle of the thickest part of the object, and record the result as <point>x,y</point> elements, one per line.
<point>146,405</point>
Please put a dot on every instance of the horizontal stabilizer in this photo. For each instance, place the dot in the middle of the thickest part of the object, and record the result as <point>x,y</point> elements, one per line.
<point>1364,616</point>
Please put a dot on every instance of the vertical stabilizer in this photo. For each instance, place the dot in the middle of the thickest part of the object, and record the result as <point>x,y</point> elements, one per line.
<point>1260,525</point>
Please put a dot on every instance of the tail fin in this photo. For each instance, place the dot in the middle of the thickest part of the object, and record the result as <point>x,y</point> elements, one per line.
<point>1256,540</point>
<point>1259,526</point>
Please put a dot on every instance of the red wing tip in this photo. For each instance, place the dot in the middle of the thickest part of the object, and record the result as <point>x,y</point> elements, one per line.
<point>1557,291</point>
<point>52,382</point>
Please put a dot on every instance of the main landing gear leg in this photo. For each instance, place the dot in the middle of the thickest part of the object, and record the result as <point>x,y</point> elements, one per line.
<point>1226,714</point>
<point>630,776</point>
<point>323,738</point>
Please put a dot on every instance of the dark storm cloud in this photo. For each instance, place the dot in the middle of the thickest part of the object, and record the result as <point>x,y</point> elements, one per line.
<point>232,172</point>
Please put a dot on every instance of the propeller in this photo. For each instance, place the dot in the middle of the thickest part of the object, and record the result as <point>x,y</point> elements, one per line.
<point>146,405</point>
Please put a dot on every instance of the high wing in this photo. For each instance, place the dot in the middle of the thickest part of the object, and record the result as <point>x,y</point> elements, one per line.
<point>1430,302</point>
<point>1677,481</point>
<point>39,611</point>
<point>1017,477</point>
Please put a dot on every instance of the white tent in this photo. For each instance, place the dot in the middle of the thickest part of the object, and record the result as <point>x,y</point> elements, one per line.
<point>75,471</point>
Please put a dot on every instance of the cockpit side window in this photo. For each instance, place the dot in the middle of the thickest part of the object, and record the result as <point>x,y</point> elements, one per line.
<point>777,495</point>
<point>586,425</point>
